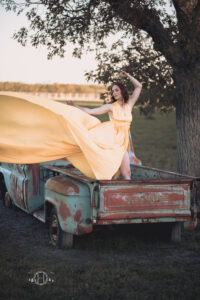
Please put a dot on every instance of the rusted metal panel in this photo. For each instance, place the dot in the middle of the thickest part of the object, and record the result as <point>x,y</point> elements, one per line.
<point>64,211</point>
<point>140,220</point>
<point>150,181</point>
<point>16,190</point>
<point>83,229</point>
<point>72,200</point>
<point>33,187</point>
<point>24,185</point>
<point>13,176</point>
<point>144,201</point>
<point>72,172</point>
<point>62,185</point>
<point>34,174</point>
<point>17,168</point>
<point>143,173</point>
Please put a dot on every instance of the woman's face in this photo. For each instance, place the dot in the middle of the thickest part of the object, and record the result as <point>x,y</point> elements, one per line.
<point>116,92</point>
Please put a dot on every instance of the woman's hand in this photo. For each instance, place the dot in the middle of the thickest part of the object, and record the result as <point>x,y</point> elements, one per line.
<point>70,103</point>
<point>123,74</point>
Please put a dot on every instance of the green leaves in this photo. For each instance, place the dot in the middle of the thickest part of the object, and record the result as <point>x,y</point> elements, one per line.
<point>143,37</point>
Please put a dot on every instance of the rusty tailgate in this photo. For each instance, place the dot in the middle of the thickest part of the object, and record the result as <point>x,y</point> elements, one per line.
<point>141,200</point>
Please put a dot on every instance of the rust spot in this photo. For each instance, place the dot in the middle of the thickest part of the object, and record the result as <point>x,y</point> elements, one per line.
<point>62,185</point>
<point>64,211</point>
<point>126,217</point>
<point>77,216</point>
<point>191,224</point>
<point>16,191</point>
<point>135,199</point>
<point>20,169</point>
<point>34,169</point>
<point>83,229</point>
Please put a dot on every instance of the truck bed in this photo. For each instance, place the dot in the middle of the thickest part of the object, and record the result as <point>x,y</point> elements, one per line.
<point>152,195</point>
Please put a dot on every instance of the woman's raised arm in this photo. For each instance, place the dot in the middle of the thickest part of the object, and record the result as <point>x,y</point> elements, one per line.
<point>93,111</point>
<point>138,87</point>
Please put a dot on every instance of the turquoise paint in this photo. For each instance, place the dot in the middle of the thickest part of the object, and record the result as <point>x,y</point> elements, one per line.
<point>90,191</point>
<point>78,205</point>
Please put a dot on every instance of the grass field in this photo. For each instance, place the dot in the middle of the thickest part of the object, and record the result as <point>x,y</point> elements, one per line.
<point>155,140</point>
<point>138,263</point>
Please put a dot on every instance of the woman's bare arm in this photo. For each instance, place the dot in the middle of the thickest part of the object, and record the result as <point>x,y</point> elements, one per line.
<point>138,87</point>
<point>94,111</point>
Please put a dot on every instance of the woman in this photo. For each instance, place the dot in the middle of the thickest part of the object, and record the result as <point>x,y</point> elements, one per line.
<point>119,96</point>
<point>35,130</point>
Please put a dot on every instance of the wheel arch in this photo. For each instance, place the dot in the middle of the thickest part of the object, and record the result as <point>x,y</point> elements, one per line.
<point>3,188</point>
<point>48,208</point>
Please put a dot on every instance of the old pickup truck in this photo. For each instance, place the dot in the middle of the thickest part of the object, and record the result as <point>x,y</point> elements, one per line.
<point>72,204</point>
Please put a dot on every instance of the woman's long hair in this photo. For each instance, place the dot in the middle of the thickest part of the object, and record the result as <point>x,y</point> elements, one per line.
<point>123,90</point>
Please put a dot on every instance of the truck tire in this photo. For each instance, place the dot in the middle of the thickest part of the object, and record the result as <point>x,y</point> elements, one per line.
<point>58,237</point>
<point>176,232</point>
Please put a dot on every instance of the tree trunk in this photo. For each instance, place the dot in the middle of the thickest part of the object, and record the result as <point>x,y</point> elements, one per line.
<point>188,126</point>
<point>188,129</point>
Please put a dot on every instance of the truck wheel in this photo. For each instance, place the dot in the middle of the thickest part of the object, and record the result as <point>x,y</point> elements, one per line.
<point>58,237</point>
<point>176,232</point>
<point>7,200</point>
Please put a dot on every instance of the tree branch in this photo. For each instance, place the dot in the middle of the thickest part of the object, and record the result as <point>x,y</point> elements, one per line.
<point>12,2</point>
<point>147,19</point>
<point>185,9</point>
<point>188,21</point>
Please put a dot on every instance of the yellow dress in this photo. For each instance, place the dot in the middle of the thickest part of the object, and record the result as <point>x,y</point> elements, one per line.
<point>34,130</point>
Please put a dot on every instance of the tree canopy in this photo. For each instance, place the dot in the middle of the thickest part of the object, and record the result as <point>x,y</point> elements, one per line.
<point>147,38</point>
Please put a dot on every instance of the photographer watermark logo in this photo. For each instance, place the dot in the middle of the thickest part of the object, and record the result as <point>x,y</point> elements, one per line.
<point>41,277</point>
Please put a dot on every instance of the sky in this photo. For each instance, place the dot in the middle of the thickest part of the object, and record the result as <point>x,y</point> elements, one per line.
<point>30,65</point>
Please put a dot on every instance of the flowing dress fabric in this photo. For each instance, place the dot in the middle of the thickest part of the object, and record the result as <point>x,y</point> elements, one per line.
<point>35,130</point>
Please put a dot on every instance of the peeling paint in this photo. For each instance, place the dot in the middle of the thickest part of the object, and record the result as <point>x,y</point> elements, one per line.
<point>144,199</point>
<point>83,229</point>
<point>16,191</point>
<point>34,169</point>
<point>64,211</point>
<point>77,216</point>
<point>63,186</point>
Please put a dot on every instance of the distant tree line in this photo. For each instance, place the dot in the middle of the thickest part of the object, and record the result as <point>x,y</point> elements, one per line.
<point>51,88</point>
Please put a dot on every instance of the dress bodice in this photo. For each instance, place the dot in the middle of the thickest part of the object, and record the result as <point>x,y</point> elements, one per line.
<point>121,120</point>
<point>121,117</point>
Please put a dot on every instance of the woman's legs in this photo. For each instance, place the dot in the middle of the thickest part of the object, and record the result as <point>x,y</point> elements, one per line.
<point>125,166</point>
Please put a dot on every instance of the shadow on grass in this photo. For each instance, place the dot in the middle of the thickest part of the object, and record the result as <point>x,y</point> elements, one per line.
<point>123,238</point>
